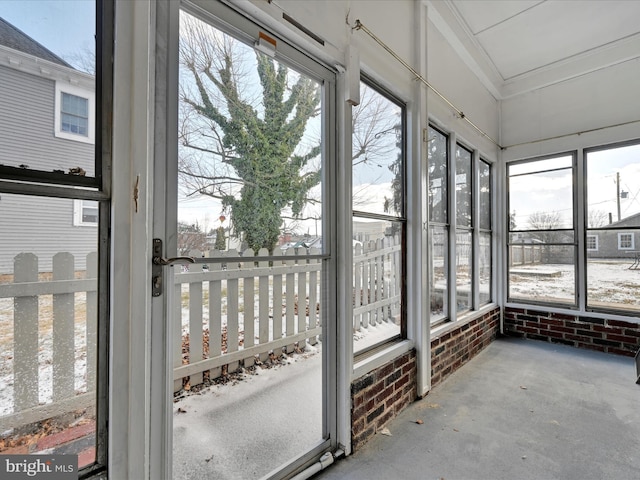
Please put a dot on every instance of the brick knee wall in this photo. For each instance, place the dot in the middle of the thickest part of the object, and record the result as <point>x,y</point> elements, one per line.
<point>380,395</point>
<point>611,336</point>
<point>456,347</point>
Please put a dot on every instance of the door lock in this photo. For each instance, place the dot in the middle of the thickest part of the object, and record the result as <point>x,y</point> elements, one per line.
<point>157,270</point>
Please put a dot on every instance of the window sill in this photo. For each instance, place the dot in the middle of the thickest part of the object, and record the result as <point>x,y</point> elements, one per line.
<point>444,328</point>
<point>380,358</point>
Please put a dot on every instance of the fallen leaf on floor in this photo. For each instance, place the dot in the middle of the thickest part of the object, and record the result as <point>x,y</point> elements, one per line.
<point>433,405</point>
<point>181,410</point>
<point>523,387</point>
<point>456,430</point>
<point>419,422</point>
<point>385,431</point>
<point>554,422</point>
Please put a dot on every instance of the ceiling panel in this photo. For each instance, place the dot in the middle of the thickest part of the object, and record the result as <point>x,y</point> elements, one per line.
<point>524,36</point>
<point>480,15</point>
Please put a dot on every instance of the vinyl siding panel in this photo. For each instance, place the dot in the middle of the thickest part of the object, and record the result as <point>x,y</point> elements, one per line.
<point>40,225</point>
<point>27,112</point>
<point>44,227</point>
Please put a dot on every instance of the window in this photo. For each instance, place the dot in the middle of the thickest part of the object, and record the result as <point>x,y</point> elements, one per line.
<point>460,237</point>
<point>625,241</point>
<point>379,221</point>
<point>613,219</point>
<point>74,117</point>
<point>438,247</point>
<point>541,244</point>
<point>85,212</point>
<point>484,226</point>
<point>74,114</point>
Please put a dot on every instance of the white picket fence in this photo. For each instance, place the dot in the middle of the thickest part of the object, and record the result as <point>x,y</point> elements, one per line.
<point>42,329</point>
<point>229,314</point>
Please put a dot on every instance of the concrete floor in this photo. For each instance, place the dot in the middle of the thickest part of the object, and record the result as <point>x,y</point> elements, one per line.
<point>521,410</point>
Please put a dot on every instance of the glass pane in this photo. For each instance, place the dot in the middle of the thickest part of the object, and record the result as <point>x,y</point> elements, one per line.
<point>541,201</point>
<point>540,165</point>
<point>464,271</point>
<point>484,283</point>
<point>542,273</point>
<point>463,187</point>
<point>250,183</point>
<point>538,238</point>
<point>484,191</point>
<point>377,282</point>
<point>438,273</point>
<point>438,173</point>
<point>48,321</point>
<point>613,276</point>
<point>47,112</point>
<point>378,164</point>
<point>613,177</point>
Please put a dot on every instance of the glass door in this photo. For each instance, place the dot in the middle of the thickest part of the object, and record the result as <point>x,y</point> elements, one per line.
<point>248,306</point>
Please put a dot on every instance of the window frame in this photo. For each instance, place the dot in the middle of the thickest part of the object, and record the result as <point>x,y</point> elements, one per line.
<point>596,242</point>
<point>620,240</point>
<point>400,217</point>
<point>68,89</point>
<point>573,230</point>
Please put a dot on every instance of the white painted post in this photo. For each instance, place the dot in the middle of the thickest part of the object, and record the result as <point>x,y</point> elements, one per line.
<point>277,302</point>
<point>232,310</point>
<point>379,280</point>
<point>263,305</point>
<point>358,287</point>
<point>25,335</point>
<point>215,315</point>
<point>302,299</point>
<point>313,297</point>
<point>92,323</point>
<point>291,300</point>
<point>63,329</point>
<point>248,296</point>
<point>195,328</point>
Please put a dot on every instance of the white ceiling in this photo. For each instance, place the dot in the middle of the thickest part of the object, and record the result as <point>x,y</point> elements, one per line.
<point>515,46</point>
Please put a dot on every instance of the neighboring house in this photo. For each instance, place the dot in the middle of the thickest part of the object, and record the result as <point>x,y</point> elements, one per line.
<point>47,123</point>
<point>617,240</point>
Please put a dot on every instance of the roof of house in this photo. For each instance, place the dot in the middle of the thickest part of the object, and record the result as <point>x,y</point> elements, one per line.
<point>630,221</point>
<point>12,37</point>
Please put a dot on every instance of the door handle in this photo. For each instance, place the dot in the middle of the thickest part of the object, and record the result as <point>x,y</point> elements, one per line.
<point>158,260</point>
<point>157,272</point>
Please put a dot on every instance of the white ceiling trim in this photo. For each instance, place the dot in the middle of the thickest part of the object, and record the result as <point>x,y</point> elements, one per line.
<point>474,57</point>
<point>447,20</point>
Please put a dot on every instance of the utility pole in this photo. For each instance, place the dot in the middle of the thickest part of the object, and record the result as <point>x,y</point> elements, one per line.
<point>618,193</point>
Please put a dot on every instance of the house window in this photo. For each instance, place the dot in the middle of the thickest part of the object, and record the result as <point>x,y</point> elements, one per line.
<point>74,113</point>
<point>379,219</point>
<point>625,241</point>
<point>592,243</point>
<point>85,213</point>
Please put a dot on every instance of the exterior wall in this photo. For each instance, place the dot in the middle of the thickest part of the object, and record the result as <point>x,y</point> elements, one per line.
<point>43,226</point>
<point>611,336</point>
<point>608,244</point>
<point>382,394</point>
<point>453,349</point>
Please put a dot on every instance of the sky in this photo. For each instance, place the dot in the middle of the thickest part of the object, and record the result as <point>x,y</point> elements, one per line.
<point>552,192</point>
<point>66,27</point>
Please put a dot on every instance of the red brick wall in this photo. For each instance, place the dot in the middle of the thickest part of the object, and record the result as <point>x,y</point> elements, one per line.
<point>380,395</point>
<point>456,347</point>
<point>611,336</point>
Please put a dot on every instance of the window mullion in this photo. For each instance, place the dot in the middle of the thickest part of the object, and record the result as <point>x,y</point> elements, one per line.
<point>452,221</point>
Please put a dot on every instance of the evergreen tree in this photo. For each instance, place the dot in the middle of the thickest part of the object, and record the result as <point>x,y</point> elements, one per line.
<point>240,140</point>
